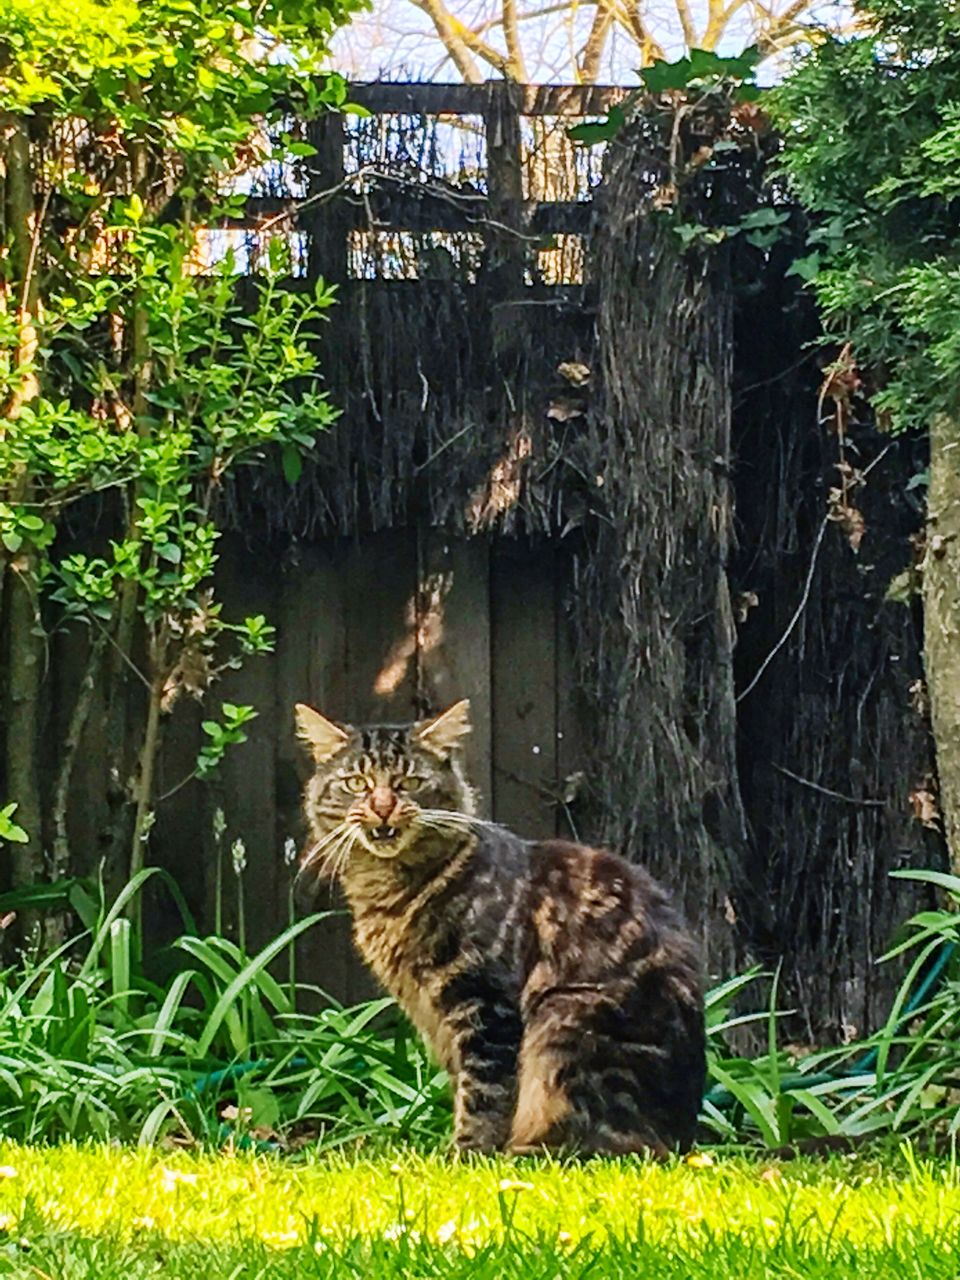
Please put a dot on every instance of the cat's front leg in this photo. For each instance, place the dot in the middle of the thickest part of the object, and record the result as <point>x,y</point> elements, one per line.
<point>485,1083</point>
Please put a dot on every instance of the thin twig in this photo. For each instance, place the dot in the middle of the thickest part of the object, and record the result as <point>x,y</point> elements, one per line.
<point>446,445</point>
<point>176,787</point>
<point>826,791</point>
<point>126,658</point>
<point>796,616</point>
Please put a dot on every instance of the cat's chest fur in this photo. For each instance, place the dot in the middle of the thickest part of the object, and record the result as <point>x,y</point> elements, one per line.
<point>417,938</point>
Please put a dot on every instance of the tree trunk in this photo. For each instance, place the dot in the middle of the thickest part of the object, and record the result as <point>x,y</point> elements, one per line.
<point>119,714</point>
<point>941,619</point>
<point>25,635</point>
<point>25,673</point>
<point>653,606</point>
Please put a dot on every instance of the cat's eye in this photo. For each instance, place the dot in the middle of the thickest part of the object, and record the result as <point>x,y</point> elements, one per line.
<point>410,783</point>
<point>355,783</point>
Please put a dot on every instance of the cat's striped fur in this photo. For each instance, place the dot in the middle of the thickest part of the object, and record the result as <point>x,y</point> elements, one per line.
<point>553,981</point>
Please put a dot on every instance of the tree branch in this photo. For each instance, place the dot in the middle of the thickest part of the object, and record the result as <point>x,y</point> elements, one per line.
<point>588,63</point>
<point>511,34</point>
<point>686,22</point>
<point>461,43</point>
<point>631,19</point>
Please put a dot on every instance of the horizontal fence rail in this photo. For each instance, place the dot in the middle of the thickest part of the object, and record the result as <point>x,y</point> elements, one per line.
<point>467,182</point>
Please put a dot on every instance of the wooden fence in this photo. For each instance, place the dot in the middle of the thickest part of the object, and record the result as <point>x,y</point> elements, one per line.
<point>379,629</point>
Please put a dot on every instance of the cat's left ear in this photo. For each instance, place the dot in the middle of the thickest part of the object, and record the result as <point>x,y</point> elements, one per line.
<point>441,734</point>
<point>321,736</point>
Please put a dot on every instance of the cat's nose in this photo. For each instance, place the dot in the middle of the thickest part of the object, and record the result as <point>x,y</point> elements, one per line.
<point>382,801</point>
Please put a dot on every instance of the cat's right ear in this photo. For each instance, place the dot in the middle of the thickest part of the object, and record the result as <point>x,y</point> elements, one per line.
<point>321,736</point>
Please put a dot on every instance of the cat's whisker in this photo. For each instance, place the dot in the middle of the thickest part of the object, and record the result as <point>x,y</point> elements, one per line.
<point>346,849</point>
<point>309,860</point>
<point>321,844</point>
<point>335,856</point>
<point>453,818</point>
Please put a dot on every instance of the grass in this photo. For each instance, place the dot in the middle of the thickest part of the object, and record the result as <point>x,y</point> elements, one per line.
<point>69,1212</point>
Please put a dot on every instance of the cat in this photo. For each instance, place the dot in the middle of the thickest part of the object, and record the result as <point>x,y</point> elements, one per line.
<point>553,981</point>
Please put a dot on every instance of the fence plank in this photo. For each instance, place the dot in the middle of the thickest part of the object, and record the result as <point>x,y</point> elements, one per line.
<point>572,763</point>
<point>380,577</point>
<point>311,667</point>
<point>455,644</point>
<point>248,771</point>
<point>471,99</point>
<point>523,693</point>
<point>413,208</point>
<point>327,221</point>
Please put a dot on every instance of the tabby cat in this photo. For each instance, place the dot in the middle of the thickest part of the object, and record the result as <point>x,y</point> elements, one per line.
<point>553,981</point>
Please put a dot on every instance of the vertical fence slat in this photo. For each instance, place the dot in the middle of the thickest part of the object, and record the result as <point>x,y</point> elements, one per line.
<point>523,693</point>
<point>455,642</point>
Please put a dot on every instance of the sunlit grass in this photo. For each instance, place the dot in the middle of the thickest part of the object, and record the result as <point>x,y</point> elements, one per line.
<point>100,1212</point>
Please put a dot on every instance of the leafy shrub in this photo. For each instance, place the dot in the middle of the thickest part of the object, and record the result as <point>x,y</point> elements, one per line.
<point>90,1047</point>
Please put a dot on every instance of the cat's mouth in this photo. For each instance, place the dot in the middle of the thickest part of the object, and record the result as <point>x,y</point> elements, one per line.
<point>383,833</point>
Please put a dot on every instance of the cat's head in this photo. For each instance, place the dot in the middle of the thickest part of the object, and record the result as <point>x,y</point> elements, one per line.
<point>391,791</point>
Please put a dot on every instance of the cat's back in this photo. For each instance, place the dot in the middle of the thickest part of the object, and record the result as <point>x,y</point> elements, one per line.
<point>597,915</point>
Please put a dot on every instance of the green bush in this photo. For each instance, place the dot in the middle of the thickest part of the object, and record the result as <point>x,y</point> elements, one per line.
<point>90,1047</point>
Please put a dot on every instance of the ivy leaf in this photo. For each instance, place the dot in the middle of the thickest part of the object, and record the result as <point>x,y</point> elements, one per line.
<point>744,64</point>
<point>765,217</point>
<point>599,131</point>
<point>663,76</point>
<point>704,62</point>
<point>805,269</point>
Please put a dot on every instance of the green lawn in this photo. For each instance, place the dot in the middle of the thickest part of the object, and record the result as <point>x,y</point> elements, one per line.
<point>70,1212</point>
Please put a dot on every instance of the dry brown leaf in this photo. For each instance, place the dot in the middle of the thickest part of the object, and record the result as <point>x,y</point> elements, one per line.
<point>743,602</point>
<point>700,157</point>
<point>665,196</point>
<point>841,379</point>
<point>577,374</point>
<point>925,808</point>
<point>564,410</point>
<point>848,517</point>
<point>752,117</point>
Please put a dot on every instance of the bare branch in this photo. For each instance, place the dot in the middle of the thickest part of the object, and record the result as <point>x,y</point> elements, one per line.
<point>511,34</point>
<point>686,22</point>
<point>446,27</point>
<point>719,20</point>
<point>631,19</point>
<point>588,63</point>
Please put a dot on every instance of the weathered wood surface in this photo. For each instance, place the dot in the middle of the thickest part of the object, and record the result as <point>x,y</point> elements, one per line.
<point>474,99</point>
<point>386,627</point>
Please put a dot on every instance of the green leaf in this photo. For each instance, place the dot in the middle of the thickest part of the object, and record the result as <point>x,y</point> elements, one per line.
<point>599,131</point>
<point>10,830</point>
<point>247,975</point>
<point>663,76</point>
<point>806,268</point>
<point>764,217</point>
<point>292,462</point>
<point>262,1104</point>
<point>704,62</point>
